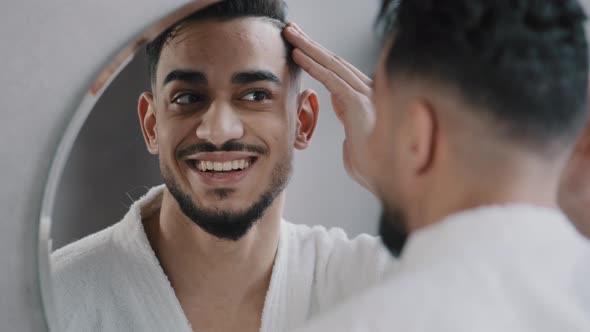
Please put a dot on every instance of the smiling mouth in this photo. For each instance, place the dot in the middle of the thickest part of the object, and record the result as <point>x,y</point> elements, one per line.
<point>219,167</point>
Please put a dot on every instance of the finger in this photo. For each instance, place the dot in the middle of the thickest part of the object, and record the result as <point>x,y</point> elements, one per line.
<point>328,59</point>
<point>334,83</point>
<point>364,78</point>
<point>331,62</point>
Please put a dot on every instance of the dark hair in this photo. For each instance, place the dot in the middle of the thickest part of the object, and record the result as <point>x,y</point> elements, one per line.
<point>274,10</point>
<point>523,61</point>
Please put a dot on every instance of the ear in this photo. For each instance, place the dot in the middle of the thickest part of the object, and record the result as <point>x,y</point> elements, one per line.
<point>307,118</point>
<point>423,135</point>
<point>148,121</point>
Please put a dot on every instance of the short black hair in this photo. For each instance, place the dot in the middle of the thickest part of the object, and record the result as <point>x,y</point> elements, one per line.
<point>523,61</point>
<point>274,10</point>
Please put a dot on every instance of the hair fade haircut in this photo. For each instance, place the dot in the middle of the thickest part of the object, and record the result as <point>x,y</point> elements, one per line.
<point>273,10</point>
<point>524,62</point>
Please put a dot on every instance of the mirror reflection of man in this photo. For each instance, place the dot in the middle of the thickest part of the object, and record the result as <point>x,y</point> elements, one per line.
<point>478,105</point>
<point>209,250</point>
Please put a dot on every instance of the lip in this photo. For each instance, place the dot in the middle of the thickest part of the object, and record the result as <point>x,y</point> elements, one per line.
<point>221,179</point>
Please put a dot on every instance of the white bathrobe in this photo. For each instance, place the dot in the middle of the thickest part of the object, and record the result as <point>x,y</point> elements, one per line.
<point>496,269</point>
<point>112,281</point>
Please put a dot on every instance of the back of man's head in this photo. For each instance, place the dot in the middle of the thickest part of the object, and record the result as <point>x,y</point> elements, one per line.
<point>275,11</point>
<point>523,64</point>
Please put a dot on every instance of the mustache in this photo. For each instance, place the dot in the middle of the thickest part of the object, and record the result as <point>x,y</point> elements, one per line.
<point>229,146</point>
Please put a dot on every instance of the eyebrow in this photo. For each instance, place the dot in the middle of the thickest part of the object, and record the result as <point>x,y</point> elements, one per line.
<point>255,76</point>
<point>189,76</point>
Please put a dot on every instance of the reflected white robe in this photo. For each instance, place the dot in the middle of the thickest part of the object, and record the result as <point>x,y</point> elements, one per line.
<point>511,268</point>
<point>112,280</point>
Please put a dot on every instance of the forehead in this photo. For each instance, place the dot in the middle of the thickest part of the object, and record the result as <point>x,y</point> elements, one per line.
<point>225,47</point>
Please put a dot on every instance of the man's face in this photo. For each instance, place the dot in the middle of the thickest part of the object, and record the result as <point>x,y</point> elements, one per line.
<point>225,120</point>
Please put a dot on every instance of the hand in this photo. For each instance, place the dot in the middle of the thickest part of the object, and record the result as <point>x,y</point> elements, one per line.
<point>350,91</point>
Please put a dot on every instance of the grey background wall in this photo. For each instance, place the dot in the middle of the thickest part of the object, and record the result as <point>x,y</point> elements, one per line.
<point>109,166</point>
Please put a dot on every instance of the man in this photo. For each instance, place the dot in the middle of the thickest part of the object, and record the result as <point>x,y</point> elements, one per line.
<point>574,190</point>
<point>478,104</point>
<point>209,250</point>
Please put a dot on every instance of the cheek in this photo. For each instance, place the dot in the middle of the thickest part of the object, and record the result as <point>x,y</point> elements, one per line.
<point>279,137</point>
<point>381,140</point>
<point>271,128</point>
<point>385,160</point>
<point>381,145</point>
<point>171,134</point>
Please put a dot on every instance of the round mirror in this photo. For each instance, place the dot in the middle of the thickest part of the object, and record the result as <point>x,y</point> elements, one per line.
<point>110,157</point>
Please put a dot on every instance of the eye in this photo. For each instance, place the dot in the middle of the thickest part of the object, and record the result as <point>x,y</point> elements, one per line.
<point>258,96</point>
<point>188,98</point>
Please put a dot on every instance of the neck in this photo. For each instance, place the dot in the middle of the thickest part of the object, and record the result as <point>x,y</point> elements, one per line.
<point>201,266</point>
<point>529,183</point>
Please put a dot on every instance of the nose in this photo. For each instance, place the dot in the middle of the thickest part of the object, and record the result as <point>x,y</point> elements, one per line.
<point>220,124</point>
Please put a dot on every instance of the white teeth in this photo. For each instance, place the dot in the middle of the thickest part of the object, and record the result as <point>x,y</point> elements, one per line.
<point>222,166</point>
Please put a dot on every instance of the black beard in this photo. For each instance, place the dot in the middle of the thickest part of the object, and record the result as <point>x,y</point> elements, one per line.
<point>230,225</point>
<point>393,231</point>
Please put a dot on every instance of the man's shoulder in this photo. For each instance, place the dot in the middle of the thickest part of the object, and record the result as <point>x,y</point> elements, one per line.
<point>80,269</point>
<point>330,237</point>
<point>91,253</point>
<point>408,301</point>
<point>86,252</point>
<point>374,310</point>
<point>341,266</point>
<point>451,296</point>
<point>334,247</point>
<point>415,302</point>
